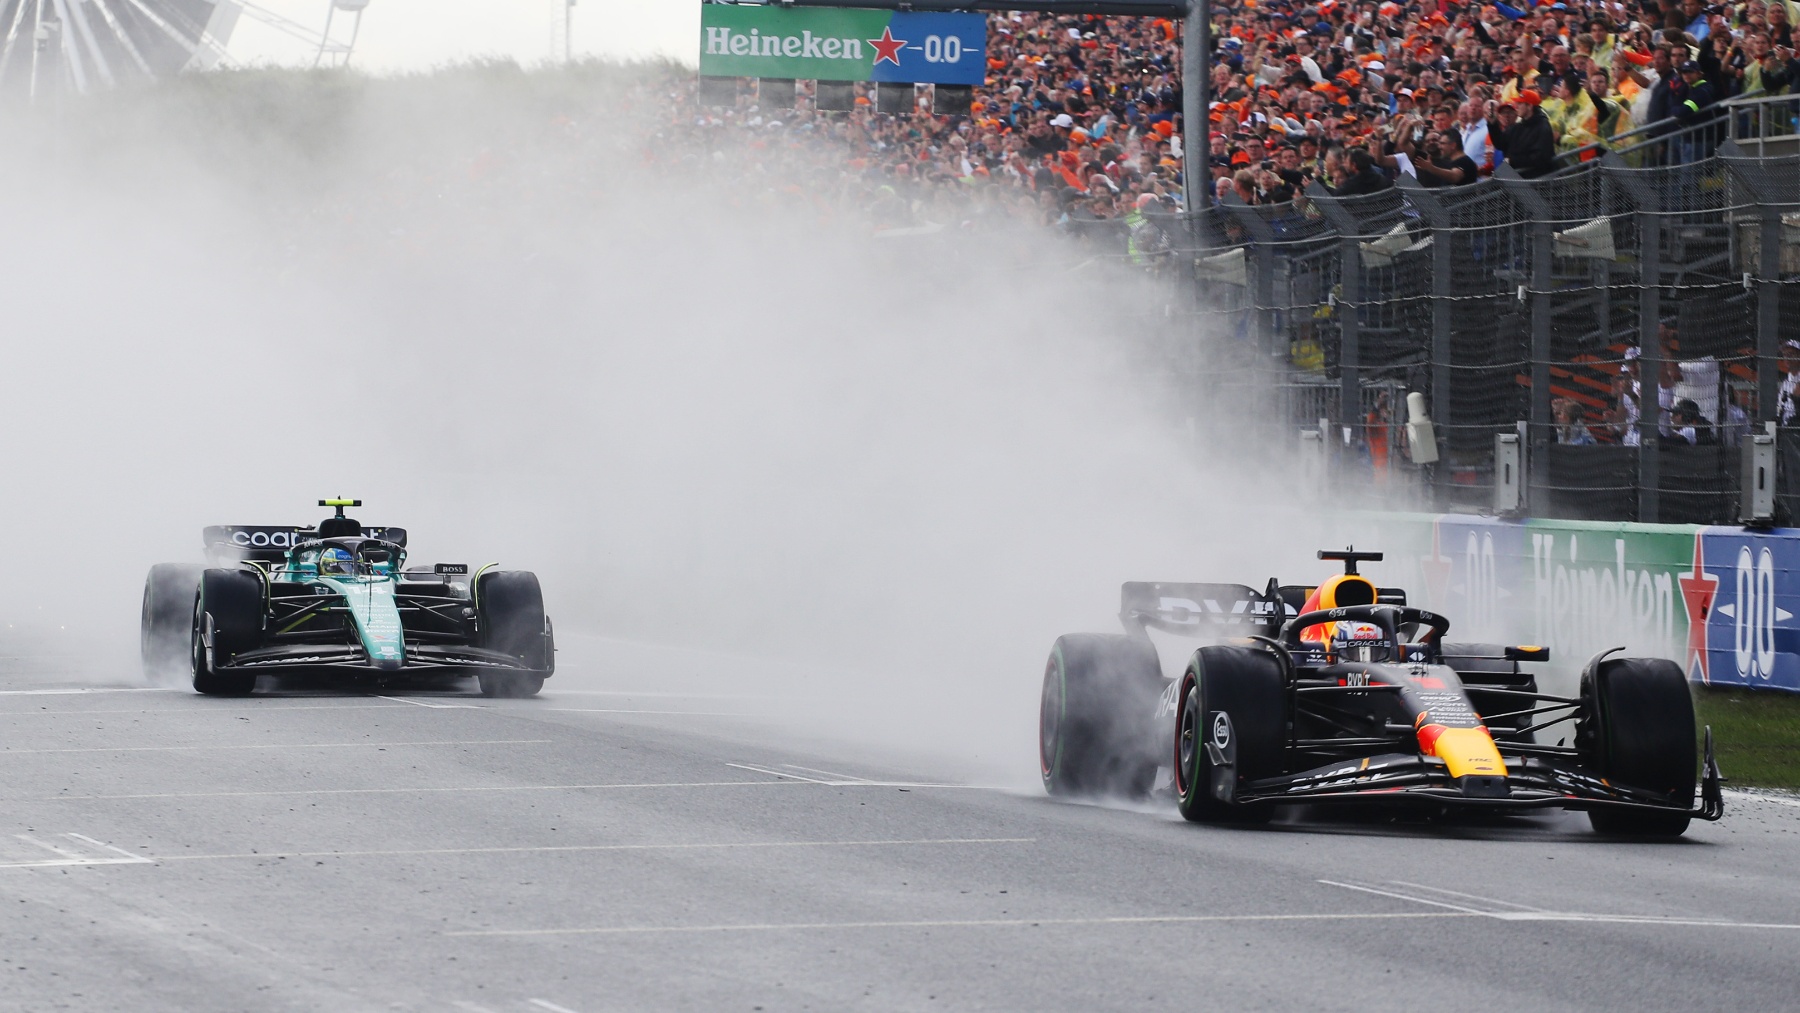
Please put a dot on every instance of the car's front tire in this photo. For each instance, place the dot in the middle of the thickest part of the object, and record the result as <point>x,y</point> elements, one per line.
<point>1246,684</point>
<point>1637,730</point>
<point>513,622</point>
<point>229,609</point>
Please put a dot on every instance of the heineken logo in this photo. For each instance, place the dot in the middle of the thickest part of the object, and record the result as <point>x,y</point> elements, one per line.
<point>722,41</point>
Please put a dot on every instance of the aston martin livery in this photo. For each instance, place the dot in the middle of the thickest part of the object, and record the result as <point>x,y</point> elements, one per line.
<point>338,598</point>
<point>1342,693</point>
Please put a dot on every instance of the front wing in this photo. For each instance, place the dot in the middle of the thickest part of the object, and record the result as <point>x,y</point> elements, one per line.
<point>435,659</point>
<point>1531,783</point>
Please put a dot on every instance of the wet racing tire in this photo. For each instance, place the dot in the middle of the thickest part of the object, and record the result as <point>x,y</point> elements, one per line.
<point>229,607</point>
<point>1246,684</point>
<point>1637,730</point>
<point>1097,727</point>
<point>167,622</point>
<point>513,622</point>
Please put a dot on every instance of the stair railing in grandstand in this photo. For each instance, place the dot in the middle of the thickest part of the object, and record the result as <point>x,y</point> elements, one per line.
<point>1754,119</point>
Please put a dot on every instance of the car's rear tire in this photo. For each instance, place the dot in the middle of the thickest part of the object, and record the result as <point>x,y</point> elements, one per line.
<point>229,606</point>
<point>1246,684</point>
<point>511,609</point>
<point>1097,729</point>
<point>167,620</point>
<point>1637,730</point>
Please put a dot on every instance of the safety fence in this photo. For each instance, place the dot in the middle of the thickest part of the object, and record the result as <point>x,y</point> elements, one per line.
<point>1626,321</point>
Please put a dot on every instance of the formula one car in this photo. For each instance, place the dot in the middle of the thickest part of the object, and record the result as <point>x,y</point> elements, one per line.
<point>1342,693</point>
<point>338,598</point>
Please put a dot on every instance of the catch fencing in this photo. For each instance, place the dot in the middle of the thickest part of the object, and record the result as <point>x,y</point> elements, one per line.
<point>1513,305</point>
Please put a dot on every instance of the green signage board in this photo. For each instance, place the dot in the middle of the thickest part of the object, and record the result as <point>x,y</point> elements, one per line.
<point>840,44</point>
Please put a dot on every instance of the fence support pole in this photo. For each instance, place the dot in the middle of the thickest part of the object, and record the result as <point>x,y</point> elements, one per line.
<point>1262,244</point>
<point>1650,350</point>
<point>1543,222</point>
<point>1196,120</point>
<point>1747,173</point>
<point>1443,287</point>
<point>1348,308</point>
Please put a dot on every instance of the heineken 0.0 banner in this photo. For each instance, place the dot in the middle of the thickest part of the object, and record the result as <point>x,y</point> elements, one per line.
<point>837,44</point>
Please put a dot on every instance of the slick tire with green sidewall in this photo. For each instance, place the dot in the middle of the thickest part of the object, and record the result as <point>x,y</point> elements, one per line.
<point>1637,730</point>
<point>232,601</point>
<point>1097,732</point>
<point>1246,684</point>
<point>511,605</point>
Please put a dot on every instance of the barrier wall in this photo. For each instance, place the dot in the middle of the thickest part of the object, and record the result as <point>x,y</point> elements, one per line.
<point>1722,601</point>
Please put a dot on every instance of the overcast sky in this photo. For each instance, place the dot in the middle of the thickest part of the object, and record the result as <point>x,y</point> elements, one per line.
<point>399,35</point>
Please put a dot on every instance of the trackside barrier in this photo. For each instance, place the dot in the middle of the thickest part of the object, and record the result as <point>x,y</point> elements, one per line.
<point>1723,601</point>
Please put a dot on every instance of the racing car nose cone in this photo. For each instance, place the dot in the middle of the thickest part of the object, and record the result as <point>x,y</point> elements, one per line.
<point>1485,786</point>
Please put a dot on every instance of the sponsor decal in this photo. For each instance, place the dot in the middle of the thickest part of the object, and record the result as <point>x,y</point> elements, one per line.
<point>842,44</point>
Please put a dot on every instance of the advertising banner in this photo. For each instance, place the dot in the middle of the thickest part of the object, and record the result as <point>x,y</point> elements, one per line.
<point>1723,602</point>
<point>838,44</point>
<point>1749,588</point>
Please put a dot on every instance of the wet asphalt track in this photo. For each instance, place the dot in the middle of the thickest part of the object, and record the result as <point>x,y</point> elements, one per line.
<point>590,851</point>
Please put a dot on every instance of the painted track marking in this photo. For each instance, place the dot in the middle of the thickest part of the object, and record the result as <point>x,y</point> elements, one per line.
<point>434,706</point>
<point>404,791</point>
<point>79,691</point>
<point>552,849</point>
<point>279,745</point>
<point>552,1007</point>
<point>67,858</point>
<point>1536,915</point>
<point>862,782</point>
<point>966,923</point>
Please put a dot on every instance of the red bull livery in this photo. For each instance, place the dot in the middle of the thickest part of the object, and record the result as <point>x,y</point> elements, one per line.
<point>1341,693</point>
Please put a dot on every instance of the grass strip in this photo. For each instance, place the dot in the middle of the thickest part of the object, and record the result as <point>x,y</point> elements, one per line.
<point>1756,735</point>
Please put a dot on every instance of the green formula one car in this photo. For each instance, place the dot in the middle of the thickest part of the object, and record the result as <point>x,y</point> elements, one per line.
<point>337,598</point>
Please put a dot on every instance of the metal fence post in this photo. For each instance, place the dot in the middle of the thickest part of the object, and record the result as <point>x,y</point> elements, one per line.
<point>1746,173</point>
<point>1349,301</point>
<point>1262,243</point>
<point>1537,211</point>
<point>1443,287</point>
<point>1646,216</point>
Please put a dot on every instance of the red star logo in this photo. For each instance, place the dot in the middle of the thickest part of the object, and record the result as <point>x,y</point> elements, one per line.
<point>887,47</point>
<point>1698,588</point>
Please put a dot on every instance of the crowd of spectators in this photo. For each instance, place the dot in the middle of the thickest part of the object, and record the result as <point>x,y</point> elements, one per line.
<point>1080,117</point>
<point>1353,94</point>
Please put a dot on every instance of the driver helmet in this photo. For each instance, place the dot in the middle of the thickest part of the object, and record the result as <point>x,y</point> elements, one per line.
<point>1354,641</point>
<point>338,561</point>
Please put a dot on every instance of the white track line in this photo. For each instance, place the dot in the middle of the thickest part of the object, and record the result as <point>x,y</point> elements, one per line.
<point>583,848</point>
<point>1534,915</point>
<point>964,923</point>
<point>862,783</point>
<point>433,706</point>
<point>1405,897</point>
<point>259,708</point>
<point>552,1007</point>
<point>828,773</point>
<point>406,791</point>
<point>630,710</point>
<point>1467,896</point>
<point>83,690</point>
<point>280,745</point>
<point>66,859</point>
<point>776,773</point>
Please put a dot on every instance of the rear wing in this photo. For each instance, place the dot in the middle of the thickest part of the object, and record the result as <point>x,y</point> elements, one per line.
<point>1198,610</point>
<point>269,543</point>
